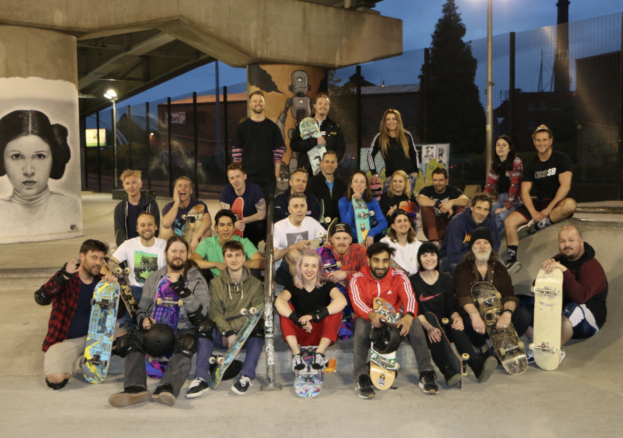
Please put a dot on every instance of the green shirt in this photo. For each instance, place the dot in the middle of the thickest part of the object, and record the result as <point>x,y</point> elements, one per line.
<point>211,251</point>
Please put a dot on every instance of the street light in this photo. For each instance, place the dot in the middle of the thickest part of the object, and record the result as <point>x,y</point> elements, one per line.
<point>112,96</point>
<point>489,152</point>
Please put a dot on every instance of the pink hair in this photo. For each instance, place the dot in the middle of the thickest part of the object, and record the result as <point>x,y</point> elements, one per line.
<point>298,279</point>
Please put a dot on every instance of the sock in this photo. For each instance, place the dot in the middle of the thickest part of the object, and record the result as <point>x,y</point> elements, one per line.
<point>512,252</point>
<point>543,224</point>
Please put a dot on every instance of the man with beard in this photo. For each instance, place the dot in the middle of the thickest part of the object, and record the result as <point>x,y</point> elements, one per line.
<point>298,184</point>
<point>192,324</point>
<point>328,188</point>
<point>128,210</point>
<point>70,291</point>
<point>481,264</point>
<point>585,287</point>
<point>380,280</point>
<point>258,144</point>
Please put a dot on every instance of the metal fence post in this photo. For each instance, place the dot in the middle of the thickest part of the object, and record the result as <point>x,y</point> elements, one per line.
<point>170,149</point>
<point>148,142</point>
<point>225,131</point>
<point>128,118</point>
<point>511,94</point>
<point>424,94</point>
<point>621,113</point>
<point>99,161</point>
<point>195,134</point>
<point>358,116</point>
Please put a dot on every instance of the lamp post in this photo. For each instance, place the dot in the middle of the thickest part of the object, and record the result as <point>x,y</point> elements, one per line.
<point>489,152</point>
<point>112,96</point>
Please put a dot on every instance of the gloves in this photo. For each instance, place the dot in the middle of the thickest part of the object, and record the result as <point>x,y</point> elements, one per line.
<point>180,287</point>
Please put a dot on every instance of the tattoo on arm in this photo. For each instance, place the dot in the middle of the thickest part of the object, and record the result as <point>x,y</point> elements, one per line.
<point>261,206</point>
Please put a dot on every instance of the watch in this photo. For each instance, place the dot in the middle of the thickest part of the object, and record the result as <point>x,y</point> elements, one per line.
<point>509,311</point>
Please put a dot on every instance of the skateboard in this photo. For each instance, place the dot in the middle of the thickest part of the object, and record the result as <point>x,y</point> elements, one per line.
<point>319,240</point>
<point>101,331</point>
<point>166,311</point>
<point>254,314</point>
<point>232,371</point>
<point>126,293</point>
<point>377,190</point>
<point>237,208</point>
<point>309,128</point>
<point>325,221</point>
<point>383,366</point>
<point>192,222</point>
<point>308,381</point>
<point>456,361</point>
<point>506,343</point>
<point>547,319</point>
<point>362,219</point>
<point>330,265</point>
<point>315,155</point>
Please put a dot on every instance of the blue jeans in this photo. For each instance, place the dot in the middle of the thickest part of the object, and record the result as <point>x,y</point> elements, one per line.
<point>499,218</point>
<point>253,347</point>
<point>126,321</point>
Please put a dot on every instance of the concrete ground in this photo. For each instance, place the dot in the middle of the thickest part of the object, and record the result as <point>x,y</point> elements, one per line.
<point>583,397</point>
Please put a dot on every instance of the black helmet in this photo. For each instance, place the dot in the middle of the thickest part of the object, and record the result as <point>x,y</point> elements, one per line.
<point>159,340</point>
<point>386,339</point>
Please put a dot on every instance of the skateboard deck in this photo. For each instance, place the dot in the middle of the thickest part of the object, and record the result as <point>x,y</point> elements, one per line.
<point>330,265</point>
<point>456,361</point>
<point>506,343</point>
<point>192,222</point>
<point>362,219</point>
<point>315,155</point>
<point>126,293</point>
<point>101,331</point>
<point>309,128</point>
<point>383,367</point>
<point>377,190</point>
<point>412,210</point>
<point>166,311</point>
<point>308,381</point>
<point>237,208</point>
<point>547,319</point>
<point>254,314</point>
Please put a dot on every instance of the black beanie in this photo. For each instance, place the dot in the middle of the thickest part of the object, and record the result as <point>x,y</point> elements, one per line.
<point>480,233</point>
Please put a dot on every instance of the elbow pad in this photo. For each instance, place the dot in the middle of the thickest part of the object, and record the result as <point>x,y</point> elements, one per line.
<point>42,297</point>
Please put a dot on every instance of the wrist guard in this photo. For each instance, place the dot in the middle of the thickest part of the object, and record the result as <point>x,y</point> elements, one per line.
<point>321,314</point>
<point>180,287</point>
<point>295,317</point>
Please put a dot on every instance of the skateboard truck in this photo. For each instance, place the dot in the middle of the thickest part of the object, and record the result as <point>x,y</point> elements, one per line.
<point>503,350</point>
<point>544,346</point>
<point>547,291</point>
<point>160,302</point>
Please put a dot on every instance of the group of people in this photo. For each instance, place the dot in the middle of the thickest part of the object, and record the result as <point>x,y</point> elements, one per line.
<point>217,276</point>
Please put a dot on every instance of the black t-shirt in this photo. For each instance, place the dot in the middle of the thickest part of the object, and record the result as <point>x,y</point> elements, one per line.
<point>252,196</point>
<point>544,174</point>
<point>258,140</point>
<point>133,212</point>
<point>504,181</point>
<point>305,303</point>
<point>449,193</point>
<point>79,325</point>
<point>437,298</point>
<point>388,202</point>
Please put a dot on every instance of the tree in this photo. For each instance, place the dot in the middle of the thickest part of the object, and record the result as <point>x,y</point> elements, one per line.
<point>454,113</point>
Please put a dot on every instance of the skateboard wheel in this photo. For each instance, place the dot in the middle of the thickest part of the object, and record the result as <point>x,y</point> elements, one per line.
<point>180,303</point>
<point>498,295</point>
<point>214,359</point>
<point>184,217</point>
<point>118,270</point>
<point>371,213</point>
<point>338,264</point>
<point>445,320</point>
<point>521,345</point>
<point>531,346</point>
<point>480,302</point>
<point>502,352</point>
<point>465,356</point>
<point>159,301</point>
<point>321,234</point>
<point>252,310</point>
<point>126,271</point>
<point>220,360</point>
<point>244,312</point>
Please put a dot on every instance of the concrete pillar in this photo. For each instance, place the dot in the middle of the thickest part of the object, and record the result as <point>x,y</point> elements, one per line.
<point>39,136</point>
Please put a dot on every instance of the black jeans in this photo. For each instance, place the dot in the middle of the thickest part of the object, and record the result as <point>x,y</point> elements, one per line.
<point>461,342</point>
<point>521,320</point>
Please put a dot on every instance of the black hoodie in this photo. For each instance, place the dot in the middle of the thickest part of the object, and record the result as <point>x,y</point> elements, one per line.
<point>147,204</point>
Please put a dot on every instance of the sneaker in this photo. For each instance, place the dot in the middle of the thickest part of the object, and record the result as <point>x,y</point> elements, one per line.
<point>526,230</point>
<point>319,361</point>
<point>513,266</point>
<point>363,387</point>
<point>562,355</point>
<point>427,382</point>
<point>452,378</point>
<point>530,356</point>
<point>241,386</point>
<point>297,362</point>
<point>130,396</point>
<point>483,367</point>
<point>164,394</point>
<point>197,388</point>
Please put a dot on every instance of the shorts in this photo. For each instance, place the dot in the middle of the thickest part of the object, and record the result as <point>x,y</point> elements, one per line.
<point>582,320</point>
<point>539,205</point>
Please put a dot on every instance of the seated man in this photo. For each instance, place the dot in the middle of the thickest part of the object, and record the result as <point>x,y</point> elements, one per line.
<point>231,292</point>
<point>128,210</point>
<point>481,264</point>
<point>172,222</point>
<point>550,172</point>
<point>298,184</point>
<point>585,287</point>
<point>328,188</point>
<point>209,254</point>
<point>402,238</point>
<point>193,323</point>
<point>70,291</point>
<point>457,241</point>
<point>438,203</point>
<point>253,221</point>
<point>380,280</point>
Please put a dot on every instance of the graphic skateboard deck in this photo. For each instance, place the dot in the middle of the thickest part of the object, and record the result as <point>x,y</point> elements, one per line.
<point>192,222</point>
<point>506,343</point>
<point>330,265</point>
<point>362,219</point>
<point>237,208</point>
<point>412,210</point>
<point>166,311</point>
<point>126,293</point>
<point>383,367</point>
<point>99,341</point>
<point>455,360</point>
<point>254,314</point>
<point>308,381</point>
<point>315,155</point>
<point>309,128</point>
<point>547,319</point>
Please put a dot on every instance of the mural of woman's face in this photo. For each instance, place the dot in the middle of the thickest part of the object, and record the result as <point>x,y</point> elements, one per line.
<point>28,163</point>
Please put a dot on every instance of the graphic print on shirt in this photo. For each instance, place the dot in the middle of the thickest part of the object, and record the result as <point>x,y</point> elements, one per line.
<point>293,238</point>
<point>144,265</point>
<point>545,173</point>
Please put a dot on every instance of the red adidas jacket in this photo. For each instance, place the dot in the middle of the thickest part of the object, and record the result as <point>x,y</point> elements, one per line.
<point>395,288</point>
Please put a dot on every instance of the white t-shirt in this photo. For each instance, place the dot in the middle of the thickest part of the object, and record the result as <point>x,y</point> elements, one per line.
<point>406,256</point>
<point>286,234</point>
<point>142,260</point>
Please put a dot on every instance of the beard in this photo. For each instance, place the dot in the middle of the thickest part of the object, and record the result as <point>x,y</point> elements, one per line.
<point>380,273</point>
<point>482,256</point>
<point>176,264</point>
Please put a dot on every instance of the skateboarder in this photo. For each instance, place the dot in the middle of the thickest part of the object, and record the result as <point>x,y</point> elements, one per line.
<point>193,323</point>
<point>331,134</point>
<point>253,222</point>
<point>233,290</point>
<point>128,210</point>
<point>456,242</point>
<point>481,264</point>
<point>359,186</point>
<point>183,203</point>
<point>328,188</point>
<point>585,287</point>
<point>550,172</point>
<point>435,293</point>
<point>298,184</point>
<point>258,145</point>
<point>352,256</point>
<point>402,238</point>
<point>70,291</point>
<point>379,279</point>
<point>399,191</point>
<point>438,203</point>
<point>310,310</point>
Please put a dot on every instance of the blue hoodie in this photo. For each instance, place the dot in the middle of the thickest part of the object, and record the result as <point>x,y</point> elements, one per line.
<point>459,231</point>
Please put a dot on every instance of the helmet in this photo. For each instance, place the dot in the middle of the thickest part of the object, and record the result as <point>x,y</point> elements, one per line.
<point>159,340</point>
<point>386,339</point>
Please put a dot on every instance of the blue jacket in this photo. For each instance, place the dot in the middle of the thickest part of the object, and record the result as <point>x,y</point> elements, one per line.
<point>459,231</point>
<point>347,215</point>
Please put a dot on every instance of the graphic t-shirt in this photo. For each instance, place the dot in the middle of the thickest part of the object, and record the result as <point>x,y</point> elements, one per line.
<point>448,194</point>
<point>79,325</point>
<point>142,260</point>
<point>211,251</point>
<point>286,234</point>
<point>133,212</point>
<point>178,223</point>
<point>252,196</point>
<point>306,303</point>
<point>544,174</point>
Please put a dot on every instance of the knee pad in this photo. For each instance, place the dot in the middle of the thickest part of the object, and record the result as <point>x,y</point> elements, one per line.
<point>186,344</point>
<point>127,344</point>
<point>56,386</point>
<point>197,316</point>
<point>205,328</point>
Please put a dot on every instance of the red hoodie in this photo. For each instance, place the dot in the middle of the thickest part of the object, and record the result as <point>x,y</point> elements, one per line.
<point>395,288</point>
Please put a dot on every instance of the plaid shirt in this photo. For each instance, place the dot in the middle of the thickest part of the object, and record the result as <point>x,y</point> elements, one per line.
<point>64,303</point>
<point>353,261</point>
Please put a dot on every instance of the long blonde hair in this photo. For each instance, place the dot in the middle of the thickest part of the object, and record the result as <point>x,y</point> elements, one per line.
<point>402,174</point>
<point>400,133</point>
